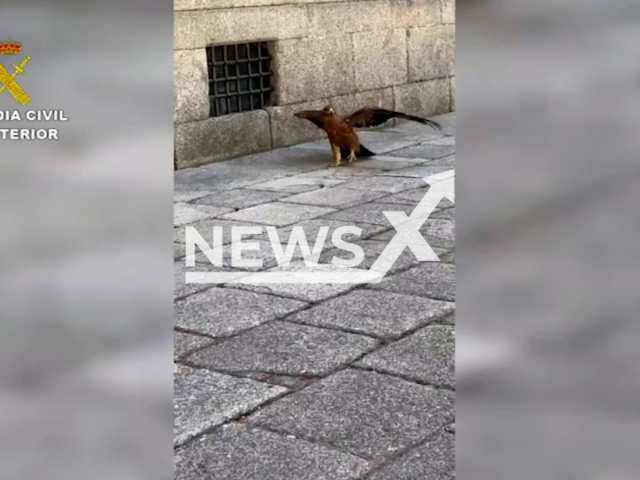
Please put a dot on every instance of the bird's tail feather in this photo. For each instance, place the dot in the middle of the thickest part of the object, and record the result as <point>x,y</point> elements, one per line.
<point>365,152</point>
<point>424,121</point>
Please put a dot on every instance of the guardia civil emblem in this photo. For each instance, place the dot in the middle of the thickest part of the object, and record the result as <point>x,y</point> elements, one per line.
<point>12,47</point>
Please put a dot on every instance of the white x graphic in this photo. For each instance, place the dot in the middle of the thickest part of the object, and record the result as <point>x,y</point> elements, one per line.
<point>408,228</point>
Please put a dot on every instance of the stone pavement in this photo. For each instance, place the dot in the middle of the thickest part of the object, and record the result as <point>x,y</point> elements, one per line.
<point>318,382</point>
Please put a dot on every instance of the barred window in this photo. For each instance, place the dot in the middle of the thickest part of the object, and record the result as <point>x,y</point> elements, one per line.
<point>239,78</point>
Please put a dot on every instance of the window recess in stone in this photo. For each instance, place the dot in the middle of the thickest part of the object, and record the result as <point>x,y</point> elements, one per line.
<point>239,78</point>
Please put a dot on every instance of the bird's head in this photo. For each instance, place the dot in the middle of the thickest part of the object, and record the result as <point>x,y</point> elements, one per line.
<point>328,110</point>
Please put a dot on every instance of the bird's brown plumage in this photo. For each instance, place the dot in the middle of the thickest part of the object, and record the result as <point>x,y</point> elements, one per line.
<point>343,138</point>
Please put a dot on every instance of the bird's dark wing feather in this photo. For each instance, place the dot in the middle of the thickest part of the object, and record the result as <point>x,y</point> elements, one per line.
<point>371,117</point>
<point>314,116</point>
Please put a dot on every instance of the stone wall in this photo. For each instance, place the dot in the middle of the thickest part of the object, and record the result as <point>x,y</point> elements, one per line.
<point>396,54</point>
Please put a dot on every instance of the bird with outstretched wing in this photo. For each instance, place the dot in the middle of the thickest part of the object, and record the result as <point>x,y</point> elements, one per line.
<point>343,139</point>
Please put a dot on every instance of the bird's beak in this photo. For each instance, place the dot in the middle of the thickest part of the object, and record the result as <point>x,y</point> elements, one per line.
<point>297,114</point>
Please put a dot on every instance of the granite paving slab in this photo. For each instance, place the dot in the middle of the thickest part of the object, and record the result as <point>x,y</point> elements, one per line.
<point>426,151</point>
<point>204,399</point>
<point>256,254</point>
<point>336,197</point>
<point>432,460</point>
<point>427,355</point>
<point>307,292</point>
<point>239,198</point>
<point>445,204</point>
<point>205,229</point>
<point>224,176</point>
<point>448,141</point>
<point>239,452</point>
<point>185,343</point>
<point>439,232</point>
<point>371,213</point>
<point>449,213</point>
<point>413,197</point>
<point>386,184</point>
<point>408,197</point>
<point>178,251</point>
<point>297,184</point>
<point>449,320</point>
<point>311,229</point>
<point>418,171</point>
<point>429,279</point>
<point>184,214</point>
<point>343,172</point>
<point>291,160</point>
<point>278,214</point>
<point>386,163</point>
<point>444,161</point>
<point>372,250</point>
<point>222,312</point>
<point>364,413</point>
<point>183,289</point>
<point>376,313</point>
<point>187,193</point>
<point>284,348</point>
<point>263,166</point>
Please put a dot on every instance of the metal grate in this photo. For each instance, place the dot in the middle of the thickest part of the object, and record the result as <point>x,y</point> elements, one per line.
<point>239,78</point>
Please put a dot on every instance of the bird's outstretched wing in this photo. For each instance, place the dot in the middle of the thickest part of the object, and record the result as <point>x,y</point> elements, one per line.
<point>314,116</point>
<point>371,117</point>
